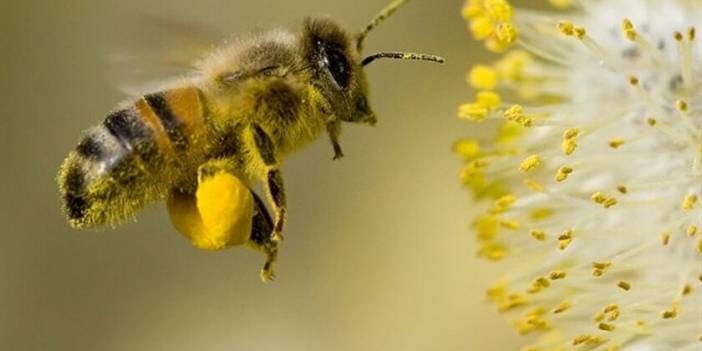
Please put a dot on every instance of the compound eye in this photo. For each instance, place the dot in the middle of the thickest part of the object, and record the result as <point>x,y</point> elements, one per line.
<point>339,67</point>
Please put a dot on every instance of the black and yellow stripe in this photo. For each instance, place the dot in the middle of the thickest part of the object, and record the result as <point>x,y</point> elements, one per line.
<point>121,164</point>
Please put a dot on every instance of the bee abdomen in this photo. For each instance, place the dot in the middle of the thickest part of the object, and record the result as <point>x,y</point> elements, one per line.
<point>131,159</point>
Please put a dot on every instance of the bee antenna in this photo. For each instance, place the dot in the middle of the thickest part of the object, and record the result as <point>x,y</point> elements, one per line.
<point>403,56</point>
<point>380,17</point>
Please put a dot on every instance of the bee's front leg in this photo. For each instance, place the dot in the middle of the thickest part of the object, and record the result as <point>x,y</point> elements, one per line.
<point>334,130</point>
<point>265,150</point>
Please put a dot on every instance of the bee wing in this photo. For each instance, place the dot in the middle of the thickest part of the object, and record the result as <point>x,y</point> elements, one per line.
<point>155,49</point>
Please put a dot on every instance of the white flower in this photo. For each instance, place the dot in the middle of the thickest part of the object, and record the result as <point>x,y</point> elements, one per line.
<point>596,170</point>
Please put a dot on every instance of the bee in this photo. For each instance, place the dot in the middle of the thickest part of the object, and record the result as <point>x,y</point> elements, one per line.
<point>203,143</point>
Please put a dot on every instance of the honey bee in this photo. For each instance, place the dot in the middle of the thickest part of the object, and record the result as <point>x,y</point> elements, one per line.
<point>202,143</point>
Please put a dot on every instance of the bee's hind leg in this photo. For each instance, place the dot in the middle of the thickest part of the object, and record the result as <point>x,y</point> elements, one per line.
<point>261,238</point>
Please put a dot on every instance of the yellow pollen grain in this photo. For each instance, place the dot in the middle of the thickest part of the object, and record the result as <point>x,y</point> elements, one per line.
<point>467,148</point>
<point>633,80</point>
<point>699,246</point>
<point>624,285</point>
<point>516,114</point>
<point>629,30</point>
<point>498,10</point>
<point>601,265</point>
<point>488,99</point>
<point>616,143</point>
<point>692,230</point>
<point>686,290</point>
<point>482,27</point>
<point>507,32</point>
<point>691,34</point>
<point>556,275</point>
<point>579,32</point>
<point>665,238</point>
<point>483,77</point>
<point>566,28</point>
<point>534,186</point>
<point>610,308</point>
<point>669,314</point>
<point>539,235</point>
<point>541,213</point>
<point>597,272</point>
<point>622,189</point>
<point>598,317</point>
<point>606,327</point>
<point>472,112</point>
<point>563,173</point>
<point>609,202</point>
<point>678,36</point>
<point>627,24</point>
<point>503,203</point>
<point>510,224</point>
<point>530,163</point>
<point>568,146</point>
<point>599,197</point>
<point>651,121</point>
<point>681,105</point>
<point>570,133</point>
<point>689,202</point>
<point>562,307</point>
<point>564,243</point>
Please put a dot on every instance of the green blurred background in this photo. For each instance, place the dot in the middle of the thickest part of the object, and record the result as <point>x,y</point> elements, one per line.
<point>378,255</point>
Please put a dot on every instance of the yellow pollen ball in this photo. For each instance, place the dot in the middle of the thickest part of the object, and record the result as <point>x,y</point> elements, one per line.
<point>218,216</point>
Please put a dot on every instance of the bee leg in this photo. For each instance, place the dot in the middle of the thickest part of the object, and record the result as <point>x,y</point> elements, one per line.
<point>261,238</point>
<point>334,130</point>
<point>274,179</point>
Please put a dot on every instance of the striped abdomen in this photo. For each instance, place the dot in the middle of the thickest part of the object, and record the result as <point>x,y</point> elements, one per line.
<point>132,158</point>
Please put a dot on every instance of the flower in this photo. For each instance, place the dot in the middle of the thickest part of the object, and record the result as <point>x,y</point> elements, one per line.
<point>594,171</point>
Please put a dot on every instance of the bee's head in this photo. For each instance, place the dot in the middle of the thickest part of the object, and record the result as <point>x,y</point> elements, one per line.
<point>335,59</point>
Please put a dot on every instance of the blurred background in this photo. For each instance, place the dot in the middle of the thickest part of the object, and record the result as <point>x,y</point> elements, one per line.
<point>378,255</point>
